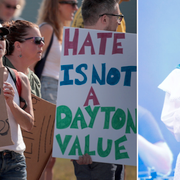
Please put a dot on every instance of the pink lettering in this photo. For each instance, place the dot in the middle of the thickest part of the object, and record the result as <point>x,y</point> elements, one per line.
<point>71,44</point>
<point>87,42</point>
<point>103,37</point>
<point>116,49</point>
<point>92,96</point>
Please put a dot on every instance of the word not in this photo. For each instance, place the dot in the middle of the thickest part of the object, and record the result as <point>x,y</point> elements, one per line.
<point>64,118</point>
<point>112,78</point>
<point>102,153</point>
<point>116,49</point>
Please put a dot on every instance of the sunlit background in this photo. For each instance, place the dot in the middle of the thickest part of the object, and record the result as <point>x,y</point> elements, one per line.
<point>127,8</point>
<point>159,54</point>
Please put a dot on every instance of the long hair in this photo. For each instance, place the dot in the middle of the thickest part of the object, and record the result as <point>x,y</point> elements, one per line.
<point>49,13</point>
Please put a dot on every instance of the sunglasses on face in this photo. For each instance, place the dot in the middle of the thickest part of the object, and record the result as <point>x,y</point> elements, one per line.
<point>72,3</point>
<point>119,16</point>
<point>36,40</point>
<point>8,6</point>
<point>2,37</point>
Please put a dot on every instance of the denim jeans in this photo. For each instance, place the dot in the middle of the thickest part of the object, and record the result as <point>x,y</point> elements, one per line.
<point>12,166</point>
<point>49,87</point>
<point>95,171</point>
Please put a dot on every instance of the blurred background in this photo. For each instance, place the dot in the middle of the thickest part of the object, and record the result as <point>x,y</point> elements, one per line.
<point>127,8</point>
<point>158,55</point>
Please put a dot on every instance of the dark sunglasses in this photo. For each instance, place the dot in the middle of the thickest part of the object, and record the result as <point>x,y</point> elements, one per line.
<point>36,40</point>
<point>3,37</point>
<point>8,6</point>
<point>119,16</point>
<point>72,3</point>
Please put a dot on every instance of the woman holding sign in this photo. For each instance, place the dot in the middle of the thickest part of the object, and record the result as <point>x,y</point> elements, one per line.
<point>12,160</point>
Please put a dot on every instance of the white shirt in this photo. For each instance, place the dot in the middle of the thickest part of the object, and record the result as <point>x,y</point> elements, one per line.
<point>171,109</point>
<point>16,134</point>
<point>52,64</point>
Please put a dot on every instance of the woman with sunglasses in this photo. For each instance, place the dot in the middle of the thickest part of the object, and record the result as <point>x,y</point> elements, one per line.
<point>12,160</point>
<point>25,46</point>
<point>10,9</point>
<point>53,15</point>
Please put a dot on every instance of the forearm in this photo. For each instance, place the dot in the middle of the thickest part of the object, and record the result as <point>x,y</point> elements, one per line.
<point>156,155</point>
<point>24,119</point>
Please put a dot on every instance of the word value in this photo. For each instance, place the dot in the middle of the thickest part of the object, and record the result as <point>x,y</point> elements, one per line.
<point>77,147</point>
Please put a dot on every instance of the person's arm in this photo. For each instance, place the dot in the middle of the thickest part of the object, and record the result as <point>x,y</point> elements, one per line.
<point>152,148</point>
<point>157,155</point>
<point>25,118</point>
<point>46,32</point>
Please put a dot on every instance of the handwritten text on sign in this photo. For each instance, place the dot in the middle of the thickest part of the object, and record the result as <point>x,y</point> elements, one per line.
<point>96,106</point>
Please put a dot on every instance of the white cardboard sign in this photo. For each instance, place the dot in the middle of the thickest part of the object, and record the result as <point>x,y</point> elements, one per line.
<point>97,103</point>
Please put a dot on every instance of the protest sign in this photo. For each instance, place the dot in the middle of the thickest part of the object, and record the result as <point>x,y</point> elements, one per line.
<point>96,105</point>
<point>40,140</point>
<point>5,132</point>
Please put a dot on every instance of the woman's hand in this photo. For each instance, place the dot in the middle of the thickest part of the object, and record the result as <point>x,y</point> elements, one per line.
<point>8,93</point>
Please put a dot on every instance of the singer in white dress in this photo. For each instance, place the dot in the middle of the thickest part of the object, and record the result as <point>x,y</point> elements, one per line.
<point>171,109</point>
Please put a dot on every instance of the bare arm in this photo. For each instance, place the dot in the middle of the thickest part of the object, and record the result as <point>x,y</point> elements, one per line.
<point>157,155</point>
<point>25,118</point>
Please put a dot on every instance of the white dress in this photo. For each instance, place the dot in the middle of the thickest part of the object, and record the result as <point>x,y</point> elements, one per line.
<point>171,109</point>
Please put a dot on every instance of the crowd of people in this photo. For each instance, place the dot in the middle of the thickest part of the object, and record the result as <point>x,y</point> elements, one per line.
<point>22,45</point>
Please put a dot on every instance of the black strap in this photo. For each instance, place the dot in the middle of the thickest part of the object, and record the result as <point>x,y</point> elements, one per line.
<point>13,76</point>
<point>11,72</point>
<point>38,69</point>
<point>49,47</point>
<point>24,101</point>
